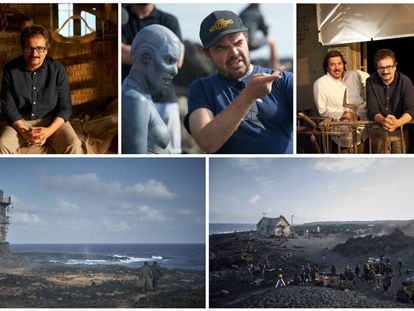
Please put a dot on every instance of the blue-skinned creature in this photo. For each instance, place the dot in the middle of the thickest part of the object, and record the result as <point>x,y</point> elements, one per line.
<point>155,52</point>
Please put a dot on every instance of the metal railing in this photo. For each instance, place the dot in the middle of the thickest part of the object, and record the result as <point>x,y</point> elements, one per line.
<point>321,136</point>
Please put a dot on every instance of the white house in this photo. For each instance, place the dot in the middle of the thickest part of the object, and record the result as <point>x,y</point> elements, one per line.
<point>273,227</point>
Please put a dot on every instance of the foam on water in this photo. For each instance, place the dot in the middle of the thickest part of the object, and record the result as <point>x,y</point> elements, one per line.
<point>113,260</point>
<point>88,262</point>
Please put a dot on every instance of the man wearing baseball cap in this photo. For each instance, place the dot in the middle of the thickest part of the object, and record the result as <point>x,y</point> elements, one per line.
<point>243,108</point>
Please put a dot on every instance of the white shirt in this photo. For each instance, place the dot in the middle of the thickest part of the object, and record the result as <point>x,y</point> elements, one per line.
<point>328,95</point>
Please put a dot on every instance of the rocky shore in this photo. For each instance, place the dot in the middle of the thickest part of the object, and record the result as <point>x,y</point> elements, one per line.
<point>36,284</point>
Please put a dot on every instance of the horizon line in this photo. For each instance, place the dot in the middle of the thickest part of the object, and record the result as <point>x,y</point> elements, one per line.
<point>311,221</point>
<point>120,243</point>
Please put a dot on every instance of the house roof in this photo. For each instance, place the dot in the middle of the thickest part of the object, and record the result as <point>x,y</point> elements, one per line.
<point>272,221</point>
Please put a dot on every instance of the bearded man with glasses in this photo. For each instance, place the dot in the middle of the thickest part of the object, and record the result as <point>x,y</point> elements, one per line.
<point>390,101</point>
<point>35,99</point>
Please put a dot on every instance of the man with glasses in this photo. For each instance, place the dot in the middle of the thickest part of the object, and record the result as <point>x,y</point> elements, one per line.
<point>390,99</point>
<point>35,99</point>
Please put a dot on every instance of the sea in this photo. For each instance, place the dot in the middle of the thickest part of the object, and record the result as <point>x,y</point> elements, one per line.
<point>228,228</point>
<point>181,256</point>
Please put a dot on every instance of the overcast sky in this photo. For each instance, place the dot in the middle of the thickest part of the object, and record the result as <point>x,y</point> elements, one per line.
<point>105,200</point>
<point>279,17</point>
<point>311,189</point>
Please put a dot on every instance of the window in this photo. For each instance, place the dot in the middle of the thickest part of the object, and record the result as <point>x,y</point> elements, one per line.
<point>65,10</point>
<point>90,19</point>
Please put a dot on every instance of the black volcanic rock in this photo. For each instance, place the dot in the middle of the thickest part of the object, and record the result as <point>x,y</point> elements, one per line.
<point>43,285</point>
<point>195,65</point>
<point>393,242</point>
<point>408,228</point>
<point>243,248</point>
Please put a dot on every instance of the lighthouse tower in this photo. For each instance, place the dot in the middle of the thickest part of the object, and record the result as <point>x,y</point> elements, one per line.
<point>5,209</point>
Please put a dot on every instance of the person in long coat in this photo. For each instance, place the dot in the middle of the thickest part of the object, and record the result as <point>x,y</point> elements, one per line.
<point>146,274</point>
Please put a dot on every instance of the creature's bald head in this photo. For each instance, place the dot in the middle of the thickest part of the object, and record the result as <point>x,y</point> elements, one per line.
<point>152,39</point>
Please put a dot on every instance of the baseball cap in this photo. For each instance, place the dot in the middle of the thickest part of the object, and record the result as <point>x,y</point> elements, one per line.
<point>217,25</point>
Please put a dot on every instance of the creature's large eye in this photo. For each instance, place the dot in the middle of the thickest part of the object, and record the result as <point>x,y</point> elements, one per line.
<point>169,60</point>
<point>145,58</point>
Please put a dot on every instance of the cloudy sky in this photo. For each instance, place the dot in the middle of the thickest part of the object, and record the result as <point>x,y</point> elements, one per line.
<point>279,17</point>
<point>105,200</point>
<point>311,189</point>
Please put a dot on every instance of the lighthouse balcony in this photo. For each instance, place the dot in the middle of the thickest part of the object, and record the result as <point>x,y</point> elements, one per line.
<point>5,200</point>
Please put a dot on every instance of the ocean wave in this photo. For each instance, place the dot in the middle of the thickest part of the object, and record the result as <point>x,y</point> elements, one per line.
<point>88,262</point>
<point>111,260</point>
<point>224,232</point>
<point>128,259</point>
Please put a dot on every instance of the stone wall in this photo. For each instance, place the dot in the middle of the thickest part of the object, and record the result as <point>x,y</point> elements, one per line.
<point>310,55</point>
<point>92,70</point>
<point>4,249</point>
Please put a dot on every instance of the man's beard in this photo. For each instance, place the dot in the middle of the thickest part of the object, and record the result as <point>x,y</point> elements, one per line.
<point>237,74</point>
<point>34,59</point>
